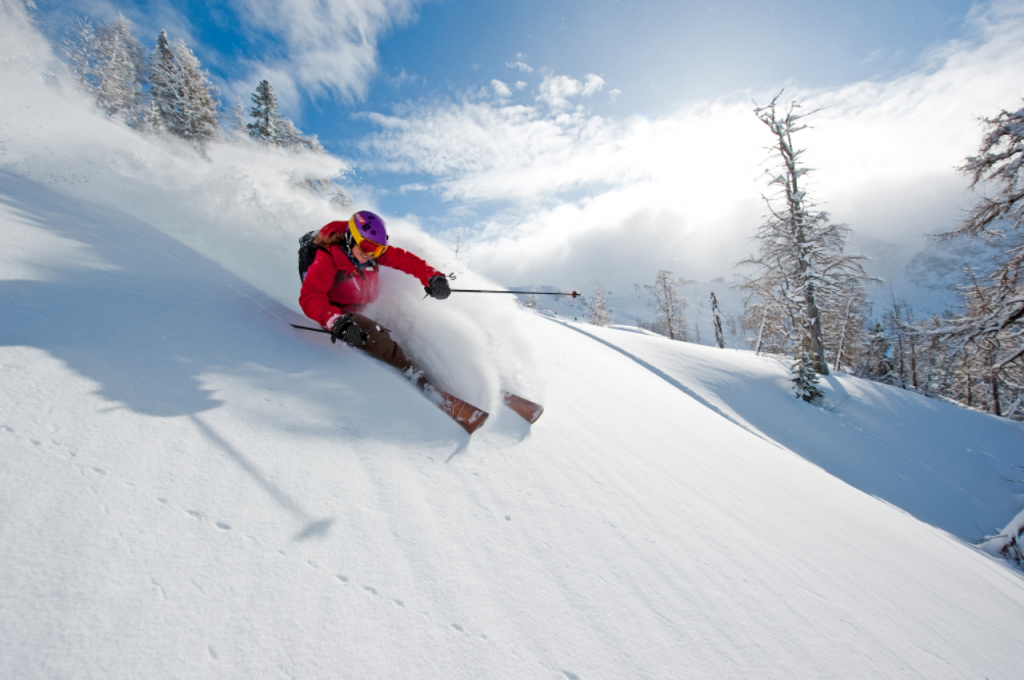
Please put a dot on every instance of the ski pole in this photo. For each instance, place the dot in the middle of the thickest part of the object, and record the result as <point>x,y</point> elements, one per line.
<point>514,292</point>
<point>307,328</point>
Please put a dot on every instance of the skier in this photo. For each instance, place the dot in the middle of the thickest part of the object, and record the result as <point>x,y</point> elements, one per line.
<point>342,280</point>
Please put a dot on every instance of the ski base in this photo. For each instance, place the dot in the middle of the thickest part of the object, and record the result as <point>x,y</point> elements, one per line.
<point>528,410</point>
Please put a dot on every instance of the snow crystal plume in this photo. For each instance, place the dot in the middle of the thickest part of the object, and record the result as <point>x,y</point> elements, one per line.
<point>241,206</point>
<point>472,344</point>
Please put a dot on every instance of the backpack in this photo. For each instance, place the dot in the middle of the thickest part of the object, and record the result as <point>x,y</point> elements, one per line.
<point>307,253</point>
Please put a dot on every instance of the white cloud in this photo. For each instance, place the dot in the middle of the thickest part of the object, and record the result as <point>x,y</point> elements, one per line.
<point>568,183</point>
<point>593,85</point>
<point>556,90</point>
<point>500,89</point>
<point>320,45</point>
<point>520,64</point>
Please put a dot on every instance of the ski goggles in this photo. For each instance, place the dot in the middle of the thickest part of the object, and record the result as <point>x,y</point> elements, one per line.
<point>370,248</point>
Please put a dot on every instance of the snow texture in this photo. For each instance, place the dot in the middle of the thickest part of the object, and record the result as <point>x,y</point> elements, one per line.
<point>192,488</point>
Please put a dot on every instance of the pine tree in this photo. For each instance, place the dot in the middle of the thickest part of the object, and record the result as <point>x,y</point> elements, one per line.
<point>185,100</point>
<point>669,304</point>
<point>292,137</point>
<point>271,127</point>
<point>267,126</point>
<point>81,53</point>
<point>598,312</point>
<point>110,63</point>
<point>198,110</point>
<point>166,88</point>
<point>238,117</point>
<point>805,380</point>
<point>876,364</point>
<point>802,270</point>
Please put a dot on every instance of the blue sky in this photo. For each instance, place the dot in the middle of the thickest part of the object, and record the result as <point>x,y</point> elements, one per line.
<point>658,55</point>
<point>519,121</point>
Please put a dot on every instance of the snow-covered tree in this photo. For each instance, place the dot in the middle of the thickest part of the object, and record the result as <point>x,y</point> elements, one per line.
<point>292,137</point>
<point>184,99</point>
<point>669,304</point>
<point>238,117</point>
<point>987,334</point>
<point>164,77</point>
<point>598,312</point>
<point>267,125</point>
<point>805,380</point>
<point>80,50</point>
<point>875,364</point>
<point>111,64</point>
<point>845,326</point>
<point>899,323</point>
<point>272,127</point>
<point>801,269</point>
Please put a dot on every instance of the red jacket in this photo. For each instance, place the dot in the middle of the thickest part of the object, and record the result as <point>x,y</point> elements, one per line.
<point>334,280</point>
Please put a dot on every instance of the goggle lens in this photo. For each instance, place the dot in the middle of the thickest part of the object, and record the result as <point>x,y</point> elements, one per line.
<point>370,248</point>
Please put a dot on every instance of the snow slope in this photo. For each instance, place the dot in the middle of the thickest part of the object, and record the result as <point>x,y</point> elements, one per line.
<point>942,463</point>
<point>192,488</point>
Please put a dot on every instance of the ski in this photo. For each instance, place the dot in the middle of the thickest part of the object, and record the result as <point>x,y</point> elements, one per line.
<point>528,410</point>
<point>468,417</point>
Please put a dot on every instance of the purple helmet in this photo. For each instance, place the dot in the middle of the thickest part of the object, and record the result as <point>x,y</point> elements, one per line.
<point>369,226</point>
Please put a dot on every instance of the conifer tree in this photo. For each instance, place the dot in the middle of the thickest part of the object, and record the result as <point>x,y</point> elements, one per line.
<point>271,127</point>
<point>185,101</point>
<point>238,117</point>
<point>876,363</point>
<point>267,125</point>
<point>598,312</point>
<point>164,76</point>
<point>805,380</point>
<point>81,52</point>
<point>110,63</point>
<point>198,112</point>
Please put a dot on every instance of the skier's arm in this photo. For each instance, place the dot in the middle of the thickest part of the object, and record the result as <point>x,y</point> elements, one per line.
<point>404,261</point>
<point>313,297</point>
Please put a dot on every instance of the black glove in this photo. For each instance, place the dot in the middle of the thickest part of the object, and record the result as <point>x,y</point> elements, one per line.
<point>438,287</point>
<point>346,330</point>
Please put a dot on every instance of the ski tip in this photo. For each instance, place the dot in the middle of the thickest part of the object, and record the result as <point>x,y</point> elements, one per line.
<point>474,422</point>
<point>469,417</point>
<point>528,410</point>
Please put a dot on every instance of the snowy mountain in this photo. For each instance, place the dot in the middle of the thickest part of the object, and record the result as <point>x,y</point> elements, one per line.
<point>192,488</point>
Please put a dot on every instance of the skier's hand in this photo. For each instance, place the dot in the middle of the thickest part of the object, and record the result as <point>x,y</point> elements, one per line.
<point>346,330</point>
<point>438,287</point>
